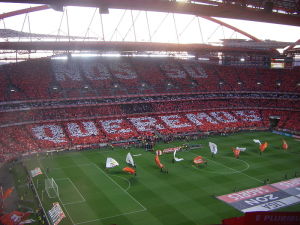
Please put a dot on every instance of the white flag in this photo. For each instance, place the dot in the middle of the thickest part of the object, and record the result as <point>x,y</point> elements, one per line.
<point>36,171</point>
<point>257,141</point>
<point>129,159</point>
<point>213,148</point>
<point>175,158</point>
<point>110,163</point>
<point>241,149</point>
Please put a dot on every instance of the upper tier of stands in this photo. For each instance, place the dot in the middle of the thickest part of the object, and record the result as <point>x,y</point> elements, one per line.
<point>102,76</point>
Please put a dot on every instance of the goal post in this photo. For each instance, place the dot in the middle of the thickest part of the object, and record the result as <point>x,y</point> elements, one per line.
<point>51,188</point>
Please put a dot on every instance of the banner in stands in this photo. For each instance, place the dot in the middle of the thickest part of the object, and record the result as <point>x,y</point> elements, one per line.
<point>291,187</point>
<point>128,128</point>
<point>281,133</point>
<point>56,213</point>
<point>264,198</point>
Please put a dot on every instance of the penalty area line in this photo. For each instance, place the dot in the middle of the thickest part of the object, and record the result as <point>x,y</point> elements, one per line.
<point>58,194</point>
<point>112,180</point>
<point>75,187</point>
<point>109,217</point>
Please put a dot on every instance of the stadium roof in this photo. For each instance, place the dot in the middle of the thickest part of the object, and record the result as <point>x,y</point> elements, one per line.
<point>275,11</point>
<point>141,25</point>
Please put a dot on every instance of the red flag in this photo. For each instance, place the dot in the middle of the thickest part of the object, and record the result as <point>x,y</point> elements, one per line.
<point>236,152</point>
<point>7,193</point>
<point>199,160</point>
<point>129,170</point>
<point>158,163</point>
<point>263,146</point>
<point>284,145</point>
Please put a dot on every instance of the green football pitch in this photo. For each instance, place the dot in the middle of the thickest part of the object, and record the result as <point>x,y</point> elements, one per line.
<point>186,195</point>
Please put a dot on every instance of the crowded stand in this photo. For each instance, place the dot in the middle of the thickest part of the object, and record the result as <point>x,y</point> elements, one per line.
<point>51,104</point>
<point>292,122</point>
<point>149,106</point>
<point>78,78</point>
<point>94,132</point>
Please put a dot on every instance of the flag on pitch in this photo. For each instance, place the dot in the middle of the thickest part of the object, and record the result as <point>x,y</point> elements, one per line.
<point>175,158</point>
<point>129,159</point>
<point>284,145</point>
<point>129,170</point>
<point>110,163</point>
<point>213,148</point>
<point>257,141</point>
<point>263,146</point>
<point>158,163</point>
<point>199,160</point>
<point>236,152</point>
<point>241,149</point>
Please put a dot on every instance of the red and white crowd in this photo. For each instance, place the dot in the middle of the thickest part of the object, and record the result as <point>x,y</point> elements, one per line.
<point>48,104</point>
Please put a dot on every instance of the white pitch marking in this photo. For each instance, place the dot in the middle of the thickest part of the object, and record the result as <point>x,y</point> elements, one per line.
<point>120,187</point>
<point>237,171</point>
<point>109,217</point>
<point>76,189</point>
<point>73,203</point>
<point>129,184</point>
<point>58,196</point>
<point>81,196</point>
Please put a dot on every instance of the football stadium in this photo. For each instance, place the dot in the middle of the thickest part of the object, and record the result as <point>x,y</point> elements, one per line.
<point>139,112</point>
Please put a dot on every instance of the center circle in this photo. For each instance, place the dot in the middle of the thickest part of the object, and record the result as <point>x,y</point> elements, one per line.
<point>221,166</point>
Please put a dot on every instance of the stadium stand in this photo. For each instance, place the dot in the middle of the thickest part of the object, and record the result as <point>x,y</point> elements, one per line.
<point>90,78</point>
<point>51,104</point>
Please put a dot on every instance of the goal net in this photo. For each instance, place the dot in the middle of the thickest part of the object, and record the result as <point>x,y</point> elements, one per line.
<point>51,188</point>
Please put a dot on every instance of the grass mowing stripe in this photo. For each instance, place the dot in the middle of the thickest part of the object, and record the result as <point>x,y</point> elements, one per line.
<point>165,206</point>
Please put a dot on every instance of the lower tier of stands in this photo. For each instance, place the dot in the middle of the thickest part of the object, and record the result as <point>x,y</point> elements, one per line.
<point>35,137</point>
